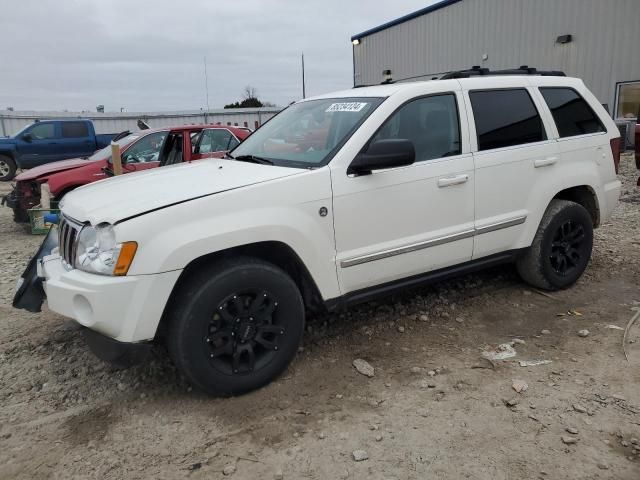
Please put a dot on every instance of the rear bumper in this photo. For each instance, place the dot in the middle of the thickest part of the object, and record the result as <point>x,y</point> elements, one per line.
<point>611,192</point>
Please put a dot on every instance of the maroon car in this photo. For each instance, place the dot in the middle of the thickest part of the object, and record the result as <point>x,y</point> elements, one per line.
<point>140,151</point>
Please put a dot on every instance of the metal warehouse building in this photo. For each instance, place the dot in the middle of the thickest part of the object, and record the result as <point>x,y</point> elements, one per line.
<point>596,40</point>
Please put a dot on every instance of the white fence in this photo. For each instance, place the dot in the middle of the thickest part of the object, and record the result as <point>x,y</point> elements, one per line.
<point>11,122</point>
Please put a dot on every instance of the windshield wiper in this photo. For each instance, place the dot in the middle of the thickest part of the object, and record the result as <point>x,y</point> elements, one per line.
<point>253,159</point>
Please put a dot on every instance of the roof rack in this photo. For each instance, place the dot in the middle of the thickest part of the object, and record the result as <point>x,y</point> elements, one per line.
<point>477,71</point>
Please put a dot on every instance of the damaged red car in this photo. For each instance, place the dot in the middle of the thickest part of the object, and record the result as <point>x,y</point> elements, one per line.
<point>140,151</point>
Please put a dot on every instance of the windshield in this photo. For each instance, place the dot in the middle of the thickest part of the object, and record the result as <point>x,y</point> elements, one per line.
<point>105,153</point>
<point>307,134</point>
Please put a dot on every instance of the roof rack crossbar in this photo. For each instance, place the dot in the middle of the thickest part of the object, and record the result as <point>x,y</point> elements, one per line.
<point>477,71</point>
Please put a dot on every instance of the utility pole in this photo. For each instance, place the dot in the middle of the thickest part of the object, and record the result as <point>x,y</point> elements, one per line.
<point>303,85</point>
<point>206,87</point>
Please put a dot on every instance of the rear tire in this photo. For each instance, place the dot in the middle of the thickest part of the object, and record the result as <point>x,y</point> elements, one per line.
<point>8,168</point>
<point>235,326</point>
<point>561,248</point>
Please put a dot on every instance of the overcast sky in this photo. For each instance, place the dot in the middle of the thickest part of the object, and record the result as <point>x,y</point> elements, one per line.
<point>147,55</point>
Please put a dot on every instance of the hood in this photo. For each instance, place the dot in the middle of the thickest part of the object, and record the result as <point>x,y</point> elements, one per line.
<point>50,168</point>
<point>119,198</point>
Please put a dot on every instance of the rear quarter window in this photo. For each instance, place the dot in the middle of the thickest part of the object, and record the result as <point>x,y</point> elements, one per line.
<point>571,112</point>
<point>505,118</point>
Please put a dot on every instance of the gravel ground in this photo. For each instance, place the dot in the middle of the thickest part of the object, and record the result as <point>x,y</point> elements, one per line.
<point>434,408</point>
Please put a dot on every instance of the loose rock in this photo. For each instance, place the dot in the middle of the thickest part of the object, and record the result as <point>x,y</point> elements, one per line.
<point>229,470</point>
<point>520,386</point>
<point>583,333</point>
<point>363,367</point>
<point>546,332</point>
<point>572,430</point>
<point>569,440</point>
<point>401,329</point>
<point>579,408</point>
<point>360,455</point>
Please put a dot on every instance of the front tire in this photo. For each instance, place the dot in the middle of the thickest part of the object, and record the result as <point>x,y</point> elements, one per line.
<point>8,168</point>
<point>561,248</point>
<point>235,326</point>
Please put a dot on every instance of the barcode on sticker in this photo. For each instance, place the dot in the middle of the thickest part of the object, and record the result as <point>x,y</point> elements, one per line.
<point>346,107</point>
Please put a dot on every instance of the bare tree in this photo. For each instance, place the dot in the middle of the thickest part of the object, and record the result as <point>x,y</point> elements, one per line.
<point>250,92</point>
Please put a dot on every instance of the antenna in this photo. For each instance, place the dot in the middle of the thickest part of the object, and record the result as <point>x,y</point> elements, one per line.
<point>206,82</point>
<point>303,85</point>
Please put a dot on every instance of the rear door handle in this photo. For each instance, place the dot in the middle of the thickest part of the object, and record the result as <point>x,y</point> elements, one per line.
<point>450,181</point>
<point>545,162</point>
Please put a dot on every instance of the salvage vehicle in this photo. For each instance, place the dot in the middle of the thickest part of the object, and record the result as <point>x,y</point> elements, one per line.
<point>140,151</point>
<point>48,141</point>
<point>221,260</point>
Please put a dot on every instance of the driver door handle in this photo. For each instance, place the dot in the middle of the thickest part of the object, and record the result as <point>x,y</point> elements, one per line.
<point>450,181</point>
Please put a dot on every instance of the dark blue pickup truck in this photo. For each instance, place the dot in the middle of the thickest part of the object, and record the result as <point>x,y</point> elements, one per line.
<point>47,141</point>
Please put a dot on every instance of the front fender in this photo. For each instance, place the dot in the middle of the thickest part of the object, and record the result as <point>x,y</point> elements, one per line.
<point>284,210</point>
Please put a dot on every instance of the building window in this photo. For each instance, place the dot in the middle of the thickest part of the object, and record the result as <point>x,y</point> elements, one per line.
<point>431,123</point>
<point>573,116</point>
<point>505,118</point>
<point>628,104</point>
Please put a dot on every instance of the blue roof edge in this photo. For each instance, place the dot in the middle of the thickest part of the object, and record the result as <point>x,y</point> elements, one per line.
<point>406,18</point>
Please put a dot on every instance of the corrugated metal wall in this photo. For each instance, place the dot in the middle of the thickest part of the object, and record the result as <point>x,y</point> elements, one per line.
<point>12,122</point>
<point>605,47</point>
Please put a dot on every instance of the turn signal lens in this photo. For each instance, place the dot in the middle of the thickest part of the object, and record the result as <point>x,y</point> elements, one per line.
<point>127,252</point>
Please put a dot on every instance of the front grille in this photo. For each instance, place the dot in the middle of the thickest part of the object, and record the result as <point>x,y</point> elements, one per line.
<point>67,234</point>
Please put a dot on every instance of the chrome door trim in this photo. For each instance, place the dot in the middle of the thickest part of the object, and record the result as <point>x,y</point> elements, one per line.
<point>500,225</point>
<point>406,249</point>
<point>371,257</point>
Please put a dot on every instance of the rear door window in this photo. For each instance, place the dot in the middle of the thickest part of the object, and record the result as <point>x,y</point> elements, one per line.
<point>75,130</point>
<point>505,118</point>
<point>572,114</point>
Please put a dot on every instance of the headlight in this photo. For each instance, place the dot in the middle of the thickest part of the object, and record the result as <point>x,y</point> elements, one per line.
<point>98,252</point>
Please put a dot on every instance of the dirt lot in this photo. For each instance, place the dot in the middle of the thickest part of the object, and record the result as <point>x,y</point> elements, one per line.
<point>434,409</point>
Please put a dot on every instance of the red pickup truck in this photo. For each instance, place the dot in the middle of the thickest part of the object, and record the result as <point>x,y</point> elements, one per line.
<point>140,151</point>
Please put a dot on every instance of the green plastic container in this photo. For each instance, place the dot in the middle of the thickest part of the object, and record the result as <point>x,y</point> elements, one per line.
<point>36,218</point>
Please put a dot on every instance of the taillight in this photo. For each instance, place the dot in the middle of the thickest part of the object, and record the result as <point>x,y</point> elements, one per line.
<point>615,150</point>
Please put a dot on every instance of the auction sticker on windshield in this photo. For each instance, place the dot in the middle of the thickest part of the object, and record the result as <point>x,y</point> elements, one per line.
<point>346,107</point>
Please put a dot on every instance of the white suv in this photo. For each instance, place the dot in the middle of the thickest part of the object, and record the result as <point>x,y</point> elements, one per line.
<point>337,199</point>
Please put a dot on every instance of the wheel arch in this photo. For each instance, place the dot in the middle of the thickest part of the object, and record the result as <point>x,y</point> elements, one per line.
<point>275,252</point>
<point>583,195</point>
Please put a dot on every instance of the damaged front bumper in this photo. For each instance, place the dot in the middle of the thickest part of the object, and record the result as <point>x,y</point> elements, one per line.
<point>30,292</point>
<point>85,298</point>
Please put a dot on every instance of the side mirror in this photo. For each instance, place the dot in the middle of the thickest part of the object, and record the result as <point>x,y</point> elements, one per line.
<point>383,154</point>
<point>27,137</point>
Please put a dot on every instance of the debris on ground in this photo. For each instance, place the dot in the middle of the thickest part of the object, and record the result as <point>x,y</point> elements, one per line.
<point>363,367</point>
<point>511,402</point>
<point>615,327</point>
<point>520,386</point>
<point>229,470</point>
<point>579,408</point>
<point>583,333</point>
<point>572,430</point>
<point>518,341</point>
<point>546,332</point>
<point>626,331</point>
<point>360,455</point>
<point>501,352</point>
<point>534,363</point>
<point>567,440</point>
